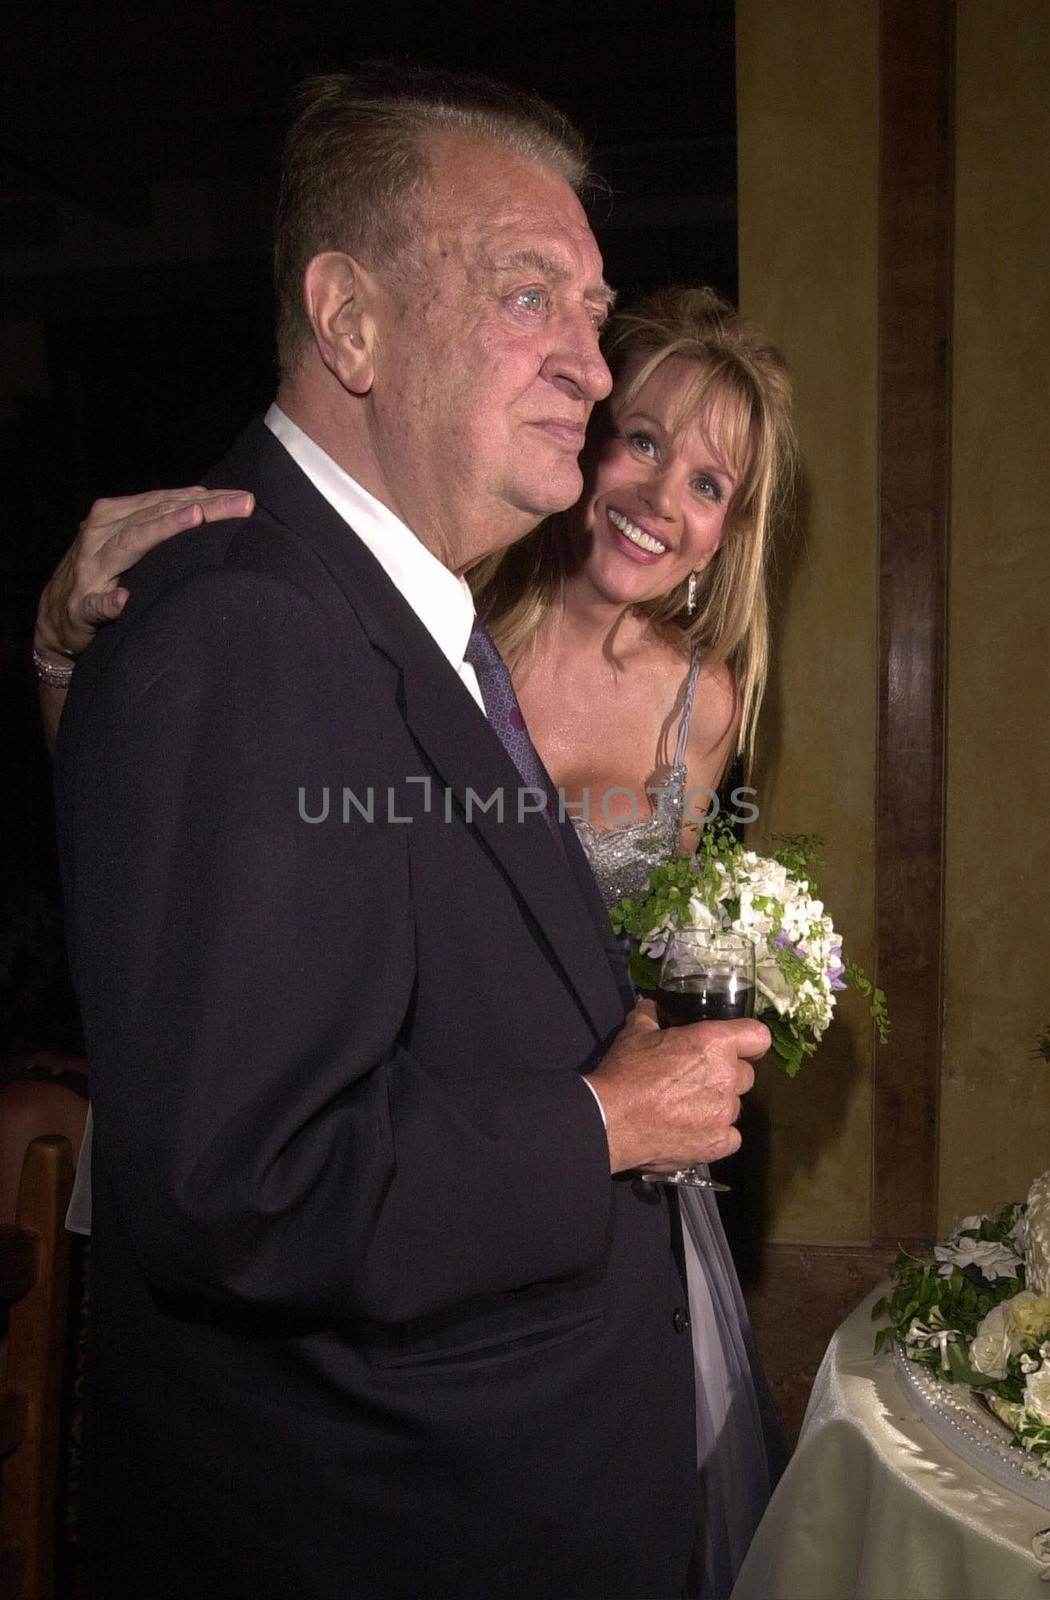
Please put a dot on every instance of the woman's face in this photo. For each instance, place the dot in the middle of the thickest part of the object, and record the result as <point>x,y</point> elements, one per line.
<point>655,495</point>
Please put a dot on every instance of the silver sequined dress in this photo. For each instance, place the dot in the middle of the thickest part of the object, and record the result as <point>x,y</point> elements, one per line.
<point>621,858</point>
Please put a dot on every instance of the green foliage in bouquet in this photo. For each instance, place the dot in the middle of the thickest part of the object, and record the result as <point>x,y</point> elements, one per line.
<point>666,896</point>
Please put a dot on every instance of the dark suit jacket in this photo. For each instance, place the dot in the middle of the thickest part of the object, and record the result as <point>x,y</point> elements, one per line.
<point>369,1317</point>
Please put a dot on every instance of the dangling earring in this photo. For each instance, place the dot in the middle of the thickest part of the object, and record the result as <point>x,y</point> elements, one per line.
<point>690,599</point>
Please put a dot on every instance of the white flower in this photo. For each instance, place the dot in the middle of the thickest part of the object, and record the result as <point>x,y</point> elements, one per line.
<point>699,915</point>
<point>1037,1394</point>
<point>765,876</point>
<point>1005,1329</point>
<point>773,987</point>
<point>1030,1314</point>
<point>992,1259</point>
<point>655,942</point>
<point>990,1349</point>
<point>965,1225</point>
<point>795,920</point>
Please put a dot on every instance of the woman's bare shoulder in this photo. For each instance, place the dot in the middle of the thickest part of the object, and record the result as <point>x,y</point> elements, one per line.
<point>714,724</point>
<point>716,695</point>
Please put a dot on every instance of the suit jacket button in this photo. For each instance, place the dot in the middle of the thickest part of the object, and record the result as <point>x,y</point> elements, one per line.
<point>680,1319</point>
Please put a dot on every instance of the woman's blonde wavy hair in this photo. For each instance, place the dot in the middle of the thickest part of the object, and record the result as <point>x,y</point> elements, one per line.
<point>742,387</point>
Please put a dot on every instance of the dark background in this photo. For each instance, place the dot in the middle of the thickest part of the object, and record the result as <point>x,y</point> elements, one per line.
<point>135,309</point>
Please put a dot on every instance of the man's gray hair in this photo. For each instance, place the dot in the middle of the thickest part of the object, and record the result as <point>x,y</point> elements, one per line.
<point>355,163</point>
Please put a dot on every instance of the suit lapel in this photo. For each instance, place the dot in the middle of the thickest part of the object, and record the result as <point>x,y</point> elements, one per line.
<point>463,748</point>
<point>591,896</point>
<point>446,723</point>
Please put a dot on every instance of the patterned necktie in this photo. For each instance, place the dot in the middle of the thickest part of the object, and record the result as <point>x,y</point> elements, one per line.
<point>504,714</point>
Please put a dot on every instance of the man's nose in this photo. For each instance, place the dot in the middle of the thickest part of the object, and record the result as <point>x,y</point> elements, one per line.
<point>576,364</point>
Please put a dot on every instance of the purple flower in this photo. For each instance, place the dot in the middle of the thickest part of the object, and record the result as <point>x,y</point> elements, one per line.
<point>781,941</point>
<point>835,968</point>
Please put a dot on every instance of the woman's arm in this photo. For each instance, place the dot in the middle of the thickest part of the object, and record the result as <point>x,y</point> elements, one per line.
<point>85,591</point>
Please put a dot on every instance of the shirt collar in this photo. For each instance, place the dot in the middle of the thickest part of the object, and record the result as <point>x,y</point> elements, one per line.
<point>442,601</point>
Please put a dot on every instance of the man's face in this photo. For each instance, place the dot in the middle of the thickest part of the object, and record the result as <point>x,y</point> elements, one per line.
<point>487,361</point>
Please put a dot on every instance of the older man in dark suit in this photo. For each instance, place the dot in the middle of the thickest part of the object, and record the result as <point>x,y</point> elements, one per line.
<point>378,1309</point>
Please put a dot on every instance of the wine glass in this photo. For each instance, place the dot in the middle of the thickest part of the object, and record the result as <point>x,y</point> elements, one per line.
<point>707,975</point>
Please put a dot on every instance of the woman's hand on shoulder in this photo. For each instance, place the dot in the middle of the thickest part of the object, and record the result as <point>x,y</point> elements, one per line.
<point>85,590</point>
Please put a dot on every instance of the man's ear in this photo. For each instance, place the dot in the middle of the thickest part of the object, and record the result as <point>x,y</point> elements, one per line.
<point>338,295</point>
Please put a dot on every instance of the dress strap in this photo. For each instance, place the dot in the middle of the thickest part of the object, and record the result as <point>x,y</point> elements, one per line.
<point>687,708</point>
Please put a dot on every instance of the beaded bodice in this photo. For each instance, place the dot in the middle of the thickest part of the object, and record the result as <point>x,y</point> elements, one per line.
<point>622,858</point>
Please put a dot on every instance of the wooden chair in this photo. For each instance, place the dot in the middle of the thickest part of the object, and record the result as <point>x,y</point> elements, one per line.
<point>34,1283</point>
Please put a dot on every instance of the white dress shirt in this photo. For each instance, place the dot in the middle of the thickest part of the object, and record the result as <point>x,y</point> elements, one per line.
<point>442,602</point>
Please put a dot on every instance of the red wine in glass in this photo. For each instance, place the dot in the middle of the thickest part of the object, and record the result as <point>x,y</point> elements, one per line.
<point>707,975</point>
<point>706,997</point>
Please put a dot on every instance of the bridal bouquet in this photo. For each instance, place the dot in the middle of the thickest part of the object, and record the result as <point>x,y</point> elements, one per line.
<point>773,901</point>
<point>978,1314</point>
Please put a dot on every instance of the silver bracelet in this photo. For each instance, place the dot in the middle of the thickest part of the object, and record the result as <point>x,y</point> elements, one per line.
<point>57,677</point>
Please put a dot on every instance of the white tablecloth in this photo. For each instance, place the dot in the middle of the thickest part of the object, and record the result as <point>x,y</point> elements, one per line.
<point>874,1507</point>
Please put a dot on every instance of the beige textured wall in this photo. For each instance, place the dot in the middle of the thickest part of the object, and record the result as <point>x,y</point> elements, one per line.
<point>807,85</point>
<point>995,1129</point>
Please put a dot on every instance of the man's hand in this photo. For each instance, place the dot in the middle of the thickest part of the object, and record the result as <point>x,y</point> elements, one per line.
<point>671,1096</point>
<point>85,592</point>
